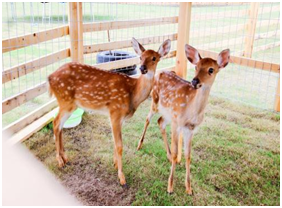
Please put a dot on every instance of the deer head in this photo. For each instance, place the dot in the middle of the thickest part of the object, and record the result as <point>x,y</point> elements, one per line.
<point>206,68</point>
<point>150,58</point>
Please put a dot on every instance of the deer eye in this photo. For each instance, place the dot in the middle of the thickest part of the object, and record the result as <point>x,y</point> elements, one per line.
<point>210,70</point>
<point>154,59</point>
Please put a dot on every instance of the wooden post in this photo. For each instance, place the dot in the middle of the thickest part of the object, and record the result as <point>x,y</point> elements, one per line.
<point>76,31</point>
<point>277,97</point>
<point>251,29</point>
<point>80,33</point>
<point>184,23</point>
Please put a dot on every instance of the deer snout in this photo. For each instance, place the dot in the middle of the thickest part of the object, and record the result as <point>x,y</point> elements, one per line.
<point>143,69</point>
<point>196,83</point>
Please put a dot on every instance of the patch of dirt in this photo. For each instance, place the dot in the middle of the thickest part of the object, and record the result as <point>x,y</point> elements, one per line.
<point>95,187</point>
<point>92,181</point>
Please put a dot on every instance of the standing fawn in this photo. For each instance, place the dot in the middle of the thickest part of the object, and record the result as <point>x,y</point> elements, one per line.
<point>79,85</point>
<point>182,104</point>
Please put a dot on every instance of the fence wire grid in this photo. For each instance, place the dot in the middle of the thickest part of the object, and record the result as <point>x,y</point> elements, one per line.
<point>214,27</point>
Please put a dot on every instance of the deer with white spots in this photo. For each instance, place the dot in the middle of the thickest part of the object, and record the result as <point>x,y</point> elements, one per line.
<point>182,104</point>
<point>79,85</point>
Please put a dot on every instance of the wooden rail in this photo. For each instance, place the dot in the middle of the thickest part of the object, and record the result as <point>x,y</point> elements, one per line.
<point>28,67</point>
<point>35,38</point>
<point>100,26</point>
<point>29,118</point>
<point>197,33</point>
<point>17,100</point>
<point>126,43</point>
<point>239,40</point>
<point>266,47</point>
<point>245,61</point>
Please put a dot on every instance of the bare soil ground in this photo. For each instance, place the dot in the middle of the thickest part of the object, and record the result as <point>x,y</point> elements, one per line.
<point>84,176</point>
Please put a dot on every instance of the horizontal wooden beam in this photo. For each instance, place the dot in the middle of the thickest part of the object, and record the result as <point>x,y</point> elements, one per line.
<point>264,23</point>
<point>236,41</point>
<point>126,62</point>
<point>244,61</point>
<point>17,100</point>
<point>100,26</point>
<point>29,118</point>
<point>126,43</point>
<point>266,47</point>
<point>267,35</point>
<point>197,33</point>
<point>29,130</point>
<point>30,39</point>
<point>28,67</point>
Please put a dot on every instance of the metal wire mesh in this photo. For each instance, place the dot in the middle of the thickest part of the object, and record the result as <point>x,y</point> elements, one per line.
<point>214,27</point>
<point>217,27</point>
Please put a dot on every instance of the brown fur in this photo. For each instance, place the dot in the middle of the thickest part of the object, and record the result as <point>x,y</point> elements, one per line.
<point>182,104</point>
<point>80,85</point>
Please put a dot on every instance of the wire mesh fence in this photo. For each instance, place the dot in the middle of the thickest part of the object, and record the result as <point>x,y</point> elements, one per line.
<point>214,27</point>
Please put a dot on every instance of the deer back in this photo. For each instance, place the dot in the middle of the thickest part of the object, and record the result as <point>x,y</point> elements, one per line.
<point>91,87</point>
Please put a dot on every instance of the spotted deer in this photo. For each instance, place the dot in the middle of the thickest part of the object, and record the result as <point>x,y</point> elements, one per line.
<point>182,104</point>
<point>117,95</point>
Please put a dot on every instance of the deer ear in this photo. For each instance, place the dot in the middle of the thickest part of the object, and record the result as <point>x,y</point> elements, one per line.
<point>223,58</point>
<point>164,48</point>
<point>139,49</point>
<point>192,54</point>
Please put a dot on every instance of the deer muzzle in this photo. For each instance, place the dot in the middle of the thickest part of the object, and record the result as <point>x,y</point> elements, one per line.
<point>196,83</point>
<point>143,69</point>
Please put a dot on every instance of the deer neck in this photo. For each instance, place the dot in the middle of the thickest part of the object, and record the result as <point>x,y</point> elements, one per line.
<point>201,98</point>
<point>143,88</point>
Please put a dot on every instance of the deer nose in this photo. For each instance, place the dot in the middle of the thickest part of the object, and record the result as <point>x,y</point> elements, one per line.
<point>143,69</point>
<point>195,82</point>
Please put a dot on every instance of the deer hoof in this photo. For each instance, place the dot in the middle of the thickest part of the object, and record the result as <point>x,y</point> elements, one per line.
<point>170,193</point>
<point>189,191</point>
<point>125,186</point>
<point>61,162</point>
<point>139,146</point>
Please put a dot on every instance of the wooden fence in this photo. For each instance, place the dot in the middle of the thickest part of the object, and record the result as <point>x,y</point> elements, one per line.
<point>75,31</point>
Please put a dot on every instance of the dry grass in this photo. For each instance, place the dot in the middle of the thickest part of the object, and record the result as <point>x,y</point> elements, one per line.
<point>235,160</point>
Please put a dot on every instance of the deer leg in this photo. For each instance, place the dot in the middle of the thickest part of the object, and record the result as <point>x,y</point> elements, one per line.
<point>58,124</point>
<point>188,135</point>
<point>116,130</point>
<point>162,124</point>
<point>180,142</point>
<point>174,149</point>
<point>115,159</point>
<point>148,119</point>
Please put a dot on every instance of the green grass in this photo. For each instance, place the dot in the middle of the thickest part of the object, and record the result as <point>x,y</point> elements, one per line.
<point>235,156</point>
